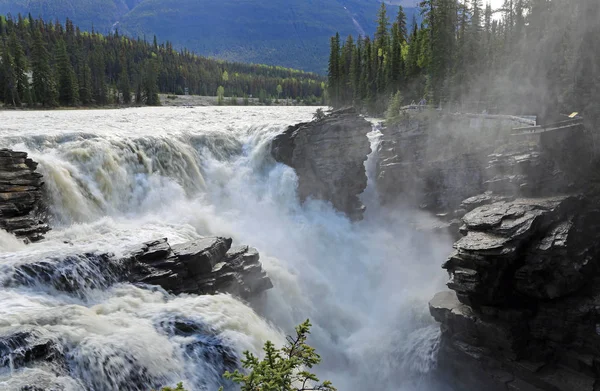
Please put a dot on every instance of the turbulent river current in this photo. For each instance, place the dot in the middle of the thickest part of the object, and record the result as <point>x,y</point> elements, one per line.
<point>115,179</point>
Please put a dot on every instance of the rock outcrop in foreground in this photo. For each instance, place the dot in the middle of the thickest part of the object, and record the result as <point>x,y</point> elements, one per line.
<point>20,196</point>
<point>204,266</point>
<point>525,299</point>
<point>328,156</point>
<point>523,312</point>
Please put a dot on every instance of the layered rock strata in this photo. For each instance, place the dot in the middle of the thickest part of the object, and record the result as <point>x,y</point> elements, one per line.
<point>204,266</point>
<point>20,196</point>
<point>522,313</point>
<point>328,156</point>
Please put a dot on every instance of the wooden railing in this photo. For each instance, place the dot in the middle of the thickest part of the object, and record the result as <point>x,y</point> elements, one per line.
<point>569,124</point>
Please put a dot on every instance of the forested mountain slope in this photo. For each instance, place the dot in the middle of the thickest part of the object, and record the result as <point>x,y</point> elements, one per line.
<point>49,64</point>
<point>291,33</point>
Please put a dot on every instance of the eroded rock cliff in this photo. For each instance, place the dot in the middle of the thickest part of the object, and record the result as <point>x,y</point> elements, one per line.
<point>522,313</point>
<point>20,196</point>
<point>328,156</point>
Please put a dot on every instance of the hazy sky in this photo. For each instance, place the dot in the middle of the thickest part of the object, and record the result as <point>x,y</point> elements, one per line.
<point>495,3</point>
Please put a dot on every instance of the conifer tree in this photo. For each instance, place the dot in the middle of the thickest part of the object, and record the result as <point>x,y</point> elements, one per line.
<point>10,92</point>
<point>346,85</point>
<point>356,70</point>
<point>383,24</point>
<point>124,86</point>
<point>402,28</point>
<point>150,83</point>
<point>68,90</point>
<point>85,82</point>
<point>396,60</point>
<point>44,84</point>
<point>98,67</point>
<point>19,69</point>
<point>333,71</point>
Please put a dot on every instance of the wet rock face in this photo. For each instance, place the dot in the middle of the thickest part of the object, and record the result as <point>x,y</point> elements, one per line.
<point>521,246</point>
<point>204,266</point>
<point>523,312</point>
<point>22,348</point>
<point>328,156</point>
<point>436,161</point>
<point>20,196</point>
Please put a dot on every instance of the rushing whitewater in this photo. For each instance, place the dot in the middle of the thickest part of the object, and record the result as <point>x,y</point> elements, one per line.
<point>115,179</point>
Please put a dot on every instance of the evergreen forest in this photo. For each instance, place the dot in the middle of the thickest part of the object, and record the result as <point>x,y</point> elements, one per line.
<point>527,57</point>
<point>48,64</point>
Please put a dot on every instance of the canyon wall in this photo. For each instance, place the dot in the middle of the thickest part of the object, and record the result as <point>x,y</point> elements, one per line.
<point>522,309</point>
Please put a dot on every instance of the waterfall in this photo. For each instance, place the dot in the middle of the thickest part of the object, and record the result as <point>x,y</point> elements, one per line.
<point>115,179</point>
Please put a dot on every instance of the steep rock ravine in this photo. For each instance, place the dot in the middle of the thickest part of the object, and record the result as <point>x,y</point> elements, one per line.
<point>522,312</point>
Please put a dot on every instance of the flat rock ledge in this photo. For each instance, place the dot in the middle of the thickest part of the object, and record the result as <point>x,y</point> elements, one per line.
<point>203,266</point>
<point>20,196</point>
<point>329,157</point>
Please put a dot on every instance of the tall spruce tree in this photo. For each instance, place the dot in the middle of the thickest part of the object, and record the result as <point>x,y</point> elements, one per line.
<point>346,85</point>
<point>396,60</point>
<point>124,86</point>
<point>19,69</point>
<point>85,82</point>
<point>402,27</point>
<point>9,87</point>
<point>44,85</point>
<point>68,90</point>
<point>150,83</point>
<point>333,71</point>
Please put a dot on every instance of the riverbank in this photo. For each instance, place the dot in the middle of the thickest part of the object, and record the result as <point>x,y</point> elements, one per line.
<point>170,100</point>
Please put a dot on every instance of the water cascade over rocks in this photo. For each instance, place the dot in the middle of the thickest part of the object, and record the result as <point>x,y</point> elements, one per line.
<point>138,284</point>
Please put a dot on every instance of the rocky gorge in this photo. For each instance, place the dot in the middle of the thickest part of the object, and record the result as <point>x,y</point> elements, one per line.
<point>521,312</point>
<point>522,309</point>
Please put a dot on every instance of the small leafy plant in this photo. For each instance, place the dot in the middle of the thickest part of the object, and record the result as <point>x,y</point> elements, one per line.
<point>284,369</point>
<point>319,114</point>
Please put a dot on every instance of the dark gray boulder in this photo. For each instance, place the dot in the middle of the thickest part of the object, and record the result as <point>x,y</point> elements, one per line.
<point>204,266</point>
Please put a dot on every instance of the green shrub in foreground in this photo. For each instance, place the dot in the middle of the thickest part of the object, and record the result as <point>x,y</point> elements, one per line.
<point>284,369</point>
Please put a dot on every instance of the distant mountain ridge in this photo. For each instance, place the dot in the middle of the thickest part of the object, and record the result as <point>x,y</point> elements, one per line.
<point>289,33</point>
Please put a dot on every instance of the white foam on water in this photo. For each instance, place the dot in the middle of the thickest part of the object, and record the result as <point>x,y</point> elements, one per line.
<point>118,178</point>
